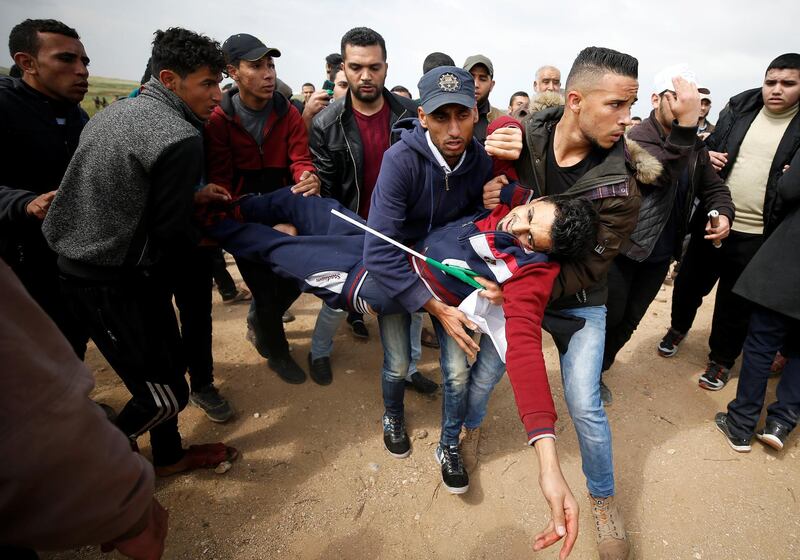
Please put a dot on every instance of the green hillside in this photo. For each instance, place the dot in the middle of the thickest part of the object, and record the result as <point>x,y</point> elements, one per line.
<point>100,87</point>
<point>110,88</point>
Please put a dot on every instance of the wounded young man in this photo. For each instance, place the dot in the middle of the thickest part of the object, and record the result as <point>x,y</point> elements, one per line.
<point>519,245</point>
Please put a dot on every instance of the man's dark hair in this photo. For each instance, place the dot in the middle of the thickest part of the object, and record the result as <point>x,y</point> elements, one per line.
<point>24,36</point>
<point>401,89</point>
<point>574,229</point>
<point>790,61</point>
<point>184,52</point>
<point>436,59</point>
<point>363,37</point>
<point>333,59</point>
<point>307,84</point>
<point>15,71</point>
<point>593,62</point>
<point>636,119</point>
<point>517,94</point>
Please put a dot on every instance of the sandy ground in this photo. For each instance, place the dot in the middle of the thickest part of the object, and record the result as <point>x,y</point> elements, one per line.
<point>315,481</point>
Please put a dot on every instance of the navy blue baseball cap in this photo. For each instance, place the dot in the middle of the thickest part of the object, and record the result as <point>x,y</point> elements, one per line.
<point>246,47</point>
<point>444,85</point>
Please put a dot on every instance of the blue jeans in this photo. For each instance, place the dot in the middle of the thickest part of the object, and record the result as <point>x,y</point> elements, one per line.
<point>466,389</point>
<point>328,322</point>
<point>580,373</point>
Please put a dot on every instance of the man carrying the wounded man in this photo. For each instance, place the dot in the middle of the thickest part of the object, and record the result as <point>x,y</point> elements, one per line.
<point>519,244</point>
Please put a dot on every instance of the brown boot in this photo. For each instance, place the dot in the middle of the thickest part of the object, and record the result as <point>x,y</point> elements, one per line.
<point>469,447</point>
<point>612,543</point>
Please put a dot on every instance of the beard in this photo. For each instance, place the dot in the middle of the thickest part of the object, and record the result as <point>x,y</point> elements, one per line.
<point>367,98</point>
<point>593,142</point>
<point>483,99</point>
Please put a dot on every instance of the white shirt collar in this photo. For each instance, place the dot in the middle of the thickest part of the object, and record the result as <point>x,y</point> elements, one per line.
<point>440,158</point>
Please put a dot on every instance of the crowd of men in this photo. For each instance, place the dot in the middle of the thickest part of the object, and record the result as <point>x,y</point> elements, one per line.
<point>560,213</point>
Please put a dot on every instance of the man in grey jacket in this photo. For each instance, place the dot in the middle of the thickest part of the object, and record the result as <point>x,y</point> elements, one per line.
<point>121,215</point>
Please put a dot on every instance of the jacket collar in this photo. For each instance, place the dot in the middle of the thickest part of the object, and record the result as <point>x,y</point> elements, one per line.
<point>72,111</point>
<point>157,91</point>
<point>440,158</point>
<point>394,106</point>
<point>749,100</point>
<point>280,105</point>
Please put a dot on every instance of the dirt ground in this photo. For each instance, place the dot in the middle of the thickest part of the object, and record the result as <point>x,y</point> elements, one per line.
<point>315,481</point>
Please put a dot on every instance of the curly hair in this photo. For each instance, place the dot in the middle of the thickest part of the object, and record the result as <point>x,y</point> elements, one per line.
<point>184,52</point>
<point>574,228</point>
<point>24,37</point>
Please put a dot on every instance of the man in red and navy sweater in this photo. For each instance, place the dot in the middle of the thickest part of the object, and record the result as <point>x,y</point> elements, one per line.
<point>519,245</point>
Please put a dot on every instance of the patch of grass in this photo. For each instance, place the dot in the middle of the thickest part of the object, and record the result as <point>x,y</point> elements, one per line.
<point>109,88</point>
<point>100,87</point>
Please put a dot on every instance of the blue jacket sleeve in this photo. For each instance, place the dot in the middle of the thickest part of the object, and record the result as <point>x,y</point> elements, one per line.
<point>387,214</point>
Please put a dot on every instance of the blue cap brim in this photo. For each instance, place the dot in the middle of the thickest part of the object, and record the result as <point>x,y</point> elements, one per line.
<point>447,98</point>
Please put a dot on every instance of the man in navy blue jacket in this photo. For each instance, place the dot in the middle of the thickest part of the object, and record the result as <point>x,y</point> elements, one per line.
<point>433,175</point>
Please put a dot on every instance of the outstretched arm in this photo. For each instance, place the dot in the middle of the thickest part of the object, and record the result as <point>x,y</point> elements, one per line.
<point>563,506</point>
<point>526,295</point>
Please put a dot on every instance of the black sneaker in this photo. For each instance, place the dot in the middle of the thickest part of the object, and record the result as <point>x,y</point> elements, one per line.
<point>605,394</point>
<point>287,369</point>
<point>320,370</point>
<point>421,384</point>
<point>287,317</point>
<point>738,444</point>
<point>714,377</point>
<point>773,434</point>
<point>395,437</point>
<point>454,475</point>
<point>212,403</point>
<point>668,346</point>
<point>358,327</point>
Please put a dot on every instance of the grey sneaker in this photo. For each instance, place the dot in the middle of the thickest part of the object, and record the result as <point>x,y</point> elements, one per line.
<point>216,407</point>
<point>714,377</point>
<point>668,346</point>
<point>612,542</point>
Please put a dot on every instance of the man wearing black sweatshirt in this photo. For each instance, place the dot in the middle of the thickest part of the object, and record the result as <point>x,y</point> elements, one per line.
<point>41,123</point>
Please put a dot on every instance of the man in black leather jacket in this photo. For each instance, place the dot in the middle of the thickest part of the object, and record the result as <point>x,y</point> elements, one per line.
<point>347,165</point>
